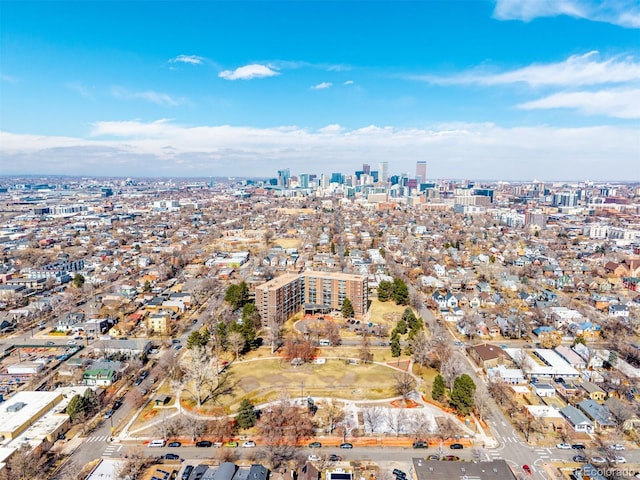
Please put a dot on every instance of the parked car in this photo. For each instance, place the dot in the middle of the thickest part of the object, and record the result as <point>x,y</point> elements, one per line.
<point>420,445</point>
<point>399,473</point>
<point>619,459</point>
<point>51,343</point>
<point>616,447</point>
<point>335,458</point>
<point>187,472</point>
<point>314,458</point>
<point>109,413</point>
<point>346,445</point>
<point>231,444</point>
<point>203,443</point>
<point>117,404</point>
<point>434,457</point>
<point>580,459</point>
<point>174,444</point>
<point>456,446</point>
<point>564,446</point>
<point>597,460</point>
<point>451,458</point>
<point>526,469</point>
<point>71,342</point>
<point>578,446</point>
<point>172,456</point>
<point>315,445</point>
<point>249,444</point>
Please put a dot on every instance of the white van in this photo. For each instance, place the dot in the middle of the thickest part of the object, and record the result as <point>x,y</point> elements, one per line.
<point>157,443</point>
<point>324,343</point>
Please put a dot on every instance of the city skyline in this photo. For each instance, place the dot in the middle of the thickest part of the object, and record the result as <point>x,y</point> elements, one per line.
<point>504,90</point>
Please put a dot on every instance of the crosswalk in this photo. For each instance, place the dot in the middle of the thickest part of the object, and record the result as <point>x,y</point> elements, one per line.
<point>97,438</point>
<point>543,453</point>
<point>111,450</point>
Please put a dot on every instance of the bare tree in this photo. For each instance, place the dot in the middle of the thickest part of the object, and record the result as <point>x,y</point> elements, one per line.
<point>274,335</point>
<point>236,343</point>
<point>134,466</point>
<point>332,332</point>
<point>446,428</point>
<point>365,349</point>
<point>373,418</point>
<point>194,426</point>
<point>481,401</point>
<point>420,426</point>
<point>197,378</point>
<point>450,369</point>
<point>396,419</point>
<point>404,384</point>
<point>333,414</point>
<point>283,423</point>
<point>421,348</point>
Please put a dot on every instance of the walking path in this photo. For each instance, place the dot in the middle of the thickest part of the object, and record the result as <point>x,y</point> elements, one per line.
<point>352,408</point>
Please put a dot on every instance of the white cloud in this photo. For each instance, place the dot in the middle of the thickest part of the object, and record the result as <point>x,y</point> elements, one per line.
<point>624,13</point>
<point>82,90</point>
<point>620,103</point>
<point>190,59</point>
<point>322,86</point>
<point>8,78</point>
<point>248,72</point>
<point>481,151</point>
<point>577,70</point>
<point>159,98</point>
<point>349,82</point>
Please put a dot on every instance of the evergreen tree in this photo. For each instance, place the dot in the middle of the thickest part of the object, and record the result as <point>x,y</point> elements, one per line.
<point>347,308</point>
<point>437,392</point>
<point>396,348</point>
<point>462,394</point>
<point>237,295</point>
<point>246,417</point>
<point>385,291</point>
<point>198,338</point>
<point>401,327</point>
<point>78,280</point>
<point>75,407</point>
<point>400,292</point>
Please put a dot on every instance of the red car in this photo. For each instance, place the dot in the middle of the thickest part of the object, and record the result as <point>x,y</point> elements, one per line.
<point>527,469</point>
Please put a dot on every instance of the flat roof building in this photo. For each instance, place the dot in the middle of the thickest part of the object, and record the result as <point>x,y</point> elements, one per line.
<point>282,297</point>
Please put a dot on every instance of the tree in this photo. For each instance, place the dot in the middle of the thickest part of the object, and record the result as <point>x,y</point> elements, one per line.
<point>401,327</point>
<point>385,291</point>
<point>296,347</point>
<point>284,424</point>
<point>404,384</point>
<point>373,418</point>
<point>438,389</point>
<point>246,417</point>
<point>396,419</point>
<point>198,338</point>
<point>333,414</point>
<point>462,394</point>
<point>396,349</point>
<point>365,354</point>
<point>420,348</point>
<point>347,309</point>
<point>78,280</point>
<point>237,295</point>
<point>75,407</point>
<point>481,402</point>
<point>198,375</point>
<point>400,292</point>
<point>236,343</point>
<point>147,286</point>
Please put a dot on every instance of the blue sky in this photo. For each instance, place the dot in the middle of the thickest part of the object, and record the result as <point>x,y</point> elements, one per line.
<point>489,89</point>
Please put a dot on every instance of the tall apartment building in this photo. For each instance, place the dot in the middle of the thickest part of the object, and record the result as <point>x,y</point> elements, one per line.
<point>280,298</point>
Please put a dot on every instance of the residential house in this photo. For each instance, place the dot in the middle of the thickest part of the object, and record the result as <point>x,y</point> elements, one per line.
<point>594,391</point>
<point>547,335</point>
<point>550,417</point>
<point>99,377</point>
<point>588,330</point>
<point>444,300</point>
<point>577,420</point>
<point>618,310</point>
<point>571,357</point>
<point>159,323</point>
<point>510,376</point>
<point>598,414</point>
<point>70,322</point>
<point>544,389</point>
<point>630,420</point>
<point>487,355</point>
